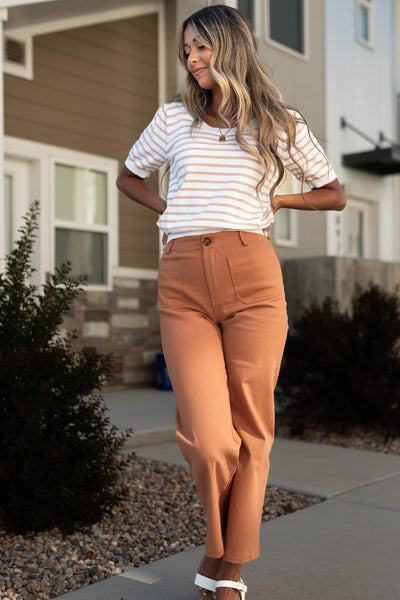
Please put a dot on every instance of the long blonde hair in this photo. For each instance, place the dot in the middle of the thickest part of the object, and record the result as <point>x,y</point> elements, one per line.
<point>247,90</point>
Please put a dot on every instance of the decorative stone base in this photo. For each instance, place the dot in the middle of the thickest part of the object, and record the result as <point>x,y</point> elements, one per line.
<point>123,322</point>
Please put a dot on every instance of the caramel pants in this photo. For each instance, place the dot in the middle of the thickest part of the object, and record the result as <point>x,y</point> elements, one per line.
<point>223,327</point>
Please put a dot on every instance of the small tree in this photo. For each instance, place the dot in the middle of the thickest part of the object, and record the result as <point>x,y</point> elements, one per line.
<point>58,451</point>
<point>342,369</point>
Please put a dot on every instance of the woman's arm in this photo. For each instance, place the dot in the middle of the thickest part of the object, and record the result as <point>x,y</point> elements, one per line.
<point>135,188</point>
<point>327,197</point>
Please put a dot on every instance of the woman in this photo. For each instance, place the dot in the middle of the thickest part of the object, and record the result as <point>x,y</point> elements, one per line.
<point>221,298</point>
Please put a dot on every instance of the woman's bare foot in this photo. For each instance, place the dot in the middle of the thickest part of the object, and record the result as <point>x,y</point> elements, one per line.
<point>232,572</point>
<point>208,567</point>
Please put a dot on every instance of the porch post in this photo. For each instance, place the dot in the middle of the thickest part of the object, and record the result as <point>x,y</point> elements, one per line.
<point>3,17</point>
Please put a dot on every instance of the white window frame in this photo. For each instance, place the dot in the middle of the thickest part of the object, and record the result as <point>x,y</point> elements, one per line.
<point>84,163</point>
<point>369,6</point>
<point>305,55</point>
<point>366,208</point>
<point>289,185</point>
<point>44,157</point>
<point>257,11</point>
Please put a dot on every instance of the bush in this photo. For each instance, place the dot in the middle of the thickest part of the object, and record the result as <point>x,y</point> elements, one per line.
<point>58,451</point>
<point>342,369</point>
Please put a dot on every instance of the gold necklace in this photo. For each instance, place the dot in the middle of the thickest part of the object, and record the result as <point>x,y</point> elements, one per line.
<point>222,137</point>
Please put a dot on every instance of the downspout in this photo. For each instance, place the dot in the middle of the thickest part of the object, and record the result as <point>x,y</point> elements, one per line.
<point>3,17</point>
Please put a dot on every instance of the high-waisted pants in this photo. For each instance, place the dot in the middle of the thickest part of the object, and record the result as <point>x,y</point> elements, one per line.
<point>223,326</point>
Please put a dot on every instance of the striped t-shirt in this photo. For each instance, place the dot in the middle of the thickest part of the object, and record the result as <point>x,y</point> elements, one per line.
<point>212,184</point>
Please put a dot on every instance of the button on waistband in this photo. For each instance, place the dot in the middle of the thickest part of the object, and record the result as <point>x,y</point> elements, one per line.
<point>206,242</point>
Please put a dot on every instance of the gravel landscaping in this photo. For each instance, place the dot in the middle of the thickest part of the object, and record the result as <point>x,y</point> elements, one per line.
<point>359,437</point>
<point>160,516</point>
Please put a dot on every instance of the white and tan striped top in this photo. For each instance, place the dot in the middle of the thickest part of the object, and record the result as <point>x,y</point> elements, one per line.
<point>212,184</point>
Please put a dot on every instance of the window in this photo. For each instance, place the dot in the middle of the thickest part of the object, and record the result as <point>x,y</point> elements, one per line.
<point>78,208</point>
<point>355,232</point>
<point>81,221</point>
<point>250,9</point>
<point>361,228</point>
<point>286,24</point>
<point>246,7</point>
<point>364,21</point>
<point>285,226</point>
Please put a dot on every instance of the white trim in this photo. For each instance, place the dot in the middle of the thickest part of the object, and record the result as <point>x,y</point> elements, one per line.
<point>19,171</point>
<point>289,185</point>
<point>162,80</point>
<point>305,56</point>
<point>365,208</point>
<point>293,241</point>
<point>11,3</point>
<point>116,14</point>
<point>258,18</point>
<point>25,71</point>
<point>3,17</point>
<point>45,156</point>
<point>132,273</point>
<point>162,55</point>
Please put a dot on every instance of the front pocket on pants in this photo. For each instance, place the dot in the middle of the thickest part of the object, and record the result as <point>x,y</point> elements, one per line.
<point>254,280</point>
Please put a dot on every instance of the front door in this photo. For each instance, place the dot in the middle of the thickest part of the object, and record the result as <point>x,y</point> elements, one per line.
<point>18,195</point>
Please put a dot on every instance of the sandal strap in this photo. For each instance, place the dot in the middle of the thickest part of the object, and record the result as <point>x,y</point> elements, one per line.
<point>236,585</point>
<point>205,582</point>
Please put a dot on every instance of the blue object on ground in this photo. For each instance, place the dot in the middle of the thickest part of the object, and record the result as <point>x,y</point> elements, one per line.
<point>163,380</point>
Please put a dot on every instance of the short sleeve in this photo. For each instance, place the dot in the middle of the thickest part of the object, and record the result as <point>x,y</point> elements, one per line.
<point>150,151</point>
<point>308,154</point>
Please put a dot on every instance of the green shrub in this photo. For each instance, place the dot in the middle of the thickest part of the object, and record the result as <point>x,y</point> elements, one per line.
<point>342,369</point>
<point>58,451</point>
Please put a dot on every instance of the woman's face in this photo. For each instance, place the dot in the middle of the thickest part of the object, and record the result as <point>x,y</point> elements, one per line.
<point>198,60</point>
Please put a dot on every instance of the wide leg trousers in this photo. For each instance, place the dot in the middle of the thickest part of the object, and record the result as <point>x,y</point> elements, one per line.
<point>223,326</point>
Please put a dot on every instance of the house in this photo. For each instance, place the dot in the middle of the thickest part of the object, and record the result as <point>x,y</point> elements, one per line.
<point>81,82</point>
<point>361,244</point>
<point>82,78</point>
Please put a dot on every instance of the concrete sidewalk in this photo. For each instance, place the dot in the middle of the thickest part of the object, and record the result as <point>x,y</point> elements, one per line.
<point>346,548</point>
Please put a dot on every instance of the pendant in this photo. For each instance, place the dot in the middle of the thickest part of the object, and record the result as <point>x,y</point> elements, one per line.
<point>222,138</point>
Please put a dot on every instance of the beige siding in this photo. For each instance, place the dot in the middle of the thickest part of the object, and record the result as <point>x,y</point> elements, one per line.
<point>302,83</point>
<point>94,90</point>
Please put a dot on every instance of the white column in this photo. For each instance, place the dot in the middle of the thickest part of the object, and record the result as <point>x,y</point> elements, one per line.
<point>3,17</point>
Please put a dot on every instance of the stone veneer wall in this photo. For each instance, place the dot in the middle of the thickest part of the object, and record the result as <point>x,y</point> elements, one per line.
<point>124,322</point>
<point>308,279</point>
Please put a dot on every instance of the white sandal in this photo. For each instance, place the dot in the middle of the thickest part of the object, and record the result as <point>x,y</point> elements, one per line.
<point>204,583</point>
<point>236,585</point>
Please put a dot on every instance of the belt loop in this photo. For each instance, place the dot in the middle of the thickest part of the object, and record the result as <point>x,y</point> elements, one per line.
<point>168,247</point>
<point>242,238</point>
